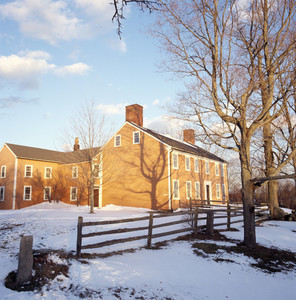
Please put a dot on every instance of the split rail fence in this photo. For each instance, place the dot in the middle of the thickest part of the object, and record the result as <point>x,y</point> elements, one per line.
<point>191,217</point>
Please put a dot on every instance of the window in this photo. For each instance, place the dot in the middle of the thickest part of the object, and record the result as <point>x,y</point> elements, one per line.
<point>2,193</point>
<point>222,170</point>
<point>47,193</point>
<point>27,193</point>
<point>217,169</point>
<point>175,189</point>
<point>96,171</point>
<point>196,165</point>
<point>73,194</point>
<point>117,140</point>
<point>207,167</point>
<point>188,190</point>
<point>28,171</point>
<point>197,190</point>
<point>74,172</point>
<point>187,163</point>
<point>223,191</point>
<point>48,172</point>
<point>136,137</point>
<point>3,171</point>
<point>218,190</point>
<point>175,161</point>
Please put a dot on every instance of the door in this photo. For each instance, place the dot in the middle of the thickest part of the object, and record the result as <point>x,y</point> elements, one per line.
<point>208,194</point>
<point>96,197</point>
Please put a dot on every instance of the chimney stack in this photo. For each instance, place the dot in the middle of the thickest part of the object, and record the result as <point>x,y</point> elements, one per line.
<point>76,145</point>
<point>134,113</point>
<point>189,136</point>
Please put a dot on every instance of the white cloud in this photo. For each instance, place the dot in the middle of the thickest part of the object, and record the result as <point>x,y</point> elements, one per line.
<point>112,109</point>
<point>27,68</point>
<point>75,69</point>
<point>117,44</point>
<point>156,102</point>
<point>46,20</point>
<point>165,125</point>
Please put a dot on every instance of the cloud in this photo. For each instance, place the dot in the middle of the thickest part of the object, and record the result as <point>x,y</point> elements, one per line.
<point>27,68</point>
<point>62,20</point>
<point>46,20</point>
<point>117,44</point>
<point>165,125</point>
<point>112,109</point>
<point>75,69</point>
<point>156,102</point>
<point>12,101</point>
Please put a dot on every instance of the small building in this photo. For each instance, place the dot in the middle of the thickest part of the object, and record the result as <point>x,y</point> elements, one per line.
<point>137,167</point>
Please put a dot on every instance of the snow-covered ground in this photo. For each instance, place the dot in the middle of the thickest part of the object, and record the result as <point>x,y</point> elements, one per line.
<point>172,272</point>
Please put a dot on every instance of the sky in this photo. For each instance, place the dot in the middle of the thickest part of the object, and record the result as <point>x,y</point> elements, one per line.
<point>55,55</point>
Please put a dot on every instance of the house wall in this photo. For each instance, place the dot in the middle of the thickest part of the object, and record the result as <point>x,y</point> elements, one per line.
<point>7,159</point>
<point>183,176</point>
<point>135,174</point>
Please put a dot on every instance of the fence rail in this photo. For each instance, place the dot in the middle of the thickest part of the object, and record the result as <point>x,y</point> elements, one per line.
<point>191,217</point>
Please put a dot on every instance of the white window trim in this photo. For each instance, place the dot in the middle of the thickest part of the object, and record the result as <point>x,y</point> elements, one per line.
<point>223,191</point>
<point>197,195</point>
<point>178,196</point>
<point>44,193</point>
<point>98,166</point>
<point>187,157</point>
<point>222,170</point>
<point>216,169</point>
<point>115,138</point>
<point>3,168</point>
<point>218,191</point>
<point>190,190</point>
<point>73,187</point>
<point>134,133</point>
<point>207,167</point>
<point>31,171</point>
<point>24,196</point>
<point>196,165</point>
<point>75,172</point>
<point>50,175</point>
<point>177,161</point>
<point>3,188</point>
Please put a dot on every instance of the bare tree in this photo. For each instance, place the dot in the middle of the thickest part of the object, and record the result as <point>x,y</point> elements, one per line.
<point>91,131</point>
<point>221,46</point>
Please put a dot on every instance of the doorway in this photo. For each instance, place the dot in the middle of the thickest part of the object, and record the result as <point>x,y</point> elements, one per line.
<point>208,192</point>
<point>96,196</point>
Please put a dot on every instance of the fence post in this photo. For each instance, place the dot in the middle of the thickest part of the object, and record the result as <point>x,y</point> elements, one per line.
<point>149,238</point>
<point>210,223</point>
<point>79,236</point>
<point>190,204</point>
<point>228,216</point>
<point>25,263</point>
<point>195,221</point>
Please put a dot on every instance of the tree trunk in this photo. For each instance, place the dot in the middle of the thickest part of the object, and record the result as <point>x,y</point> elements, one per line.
<point>270,167</point>
<point>248,205</point>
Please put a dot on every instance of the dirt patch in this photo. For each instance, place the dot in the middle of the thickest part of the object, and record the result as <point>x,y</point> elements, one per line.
<point>46,267</point>
<point>270,260</point>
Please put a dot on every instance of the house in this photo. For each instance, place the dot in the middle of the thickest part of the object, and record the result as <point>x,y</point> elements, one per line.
<point>137,167</point>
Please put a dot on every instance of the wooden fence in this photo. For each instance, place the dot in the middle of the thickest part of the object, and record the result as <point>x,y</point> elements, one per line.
<point>192,217</point>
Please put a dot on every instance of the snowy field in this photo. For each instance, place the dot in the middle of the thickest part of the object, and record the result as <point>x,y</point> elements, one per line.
<point>172,272</point>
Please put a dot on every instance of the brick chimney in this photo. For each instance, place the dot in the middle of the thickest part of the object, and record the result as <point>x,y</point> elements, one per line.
<point>189,136</point>
<point>134,113</point>
<point>76,145</point>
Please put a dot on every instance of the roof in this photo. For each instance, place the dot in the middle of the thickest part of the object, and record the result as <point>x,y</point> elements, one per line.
<point>181,145</point>
<point>33,153</point>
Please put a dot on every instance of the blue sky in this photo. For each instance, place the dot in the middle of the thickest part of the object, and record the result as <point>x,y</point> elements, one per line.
<point>57,54</point>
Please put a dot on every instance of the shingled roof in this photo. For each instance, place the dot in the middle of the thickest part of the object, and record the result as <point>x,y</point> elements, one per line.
<point>180,145</point>
<point>33,153</point>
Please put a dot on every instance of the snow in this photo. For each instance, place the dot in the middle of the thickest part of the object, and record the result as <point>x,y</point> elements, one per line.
<point>172,272</point>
